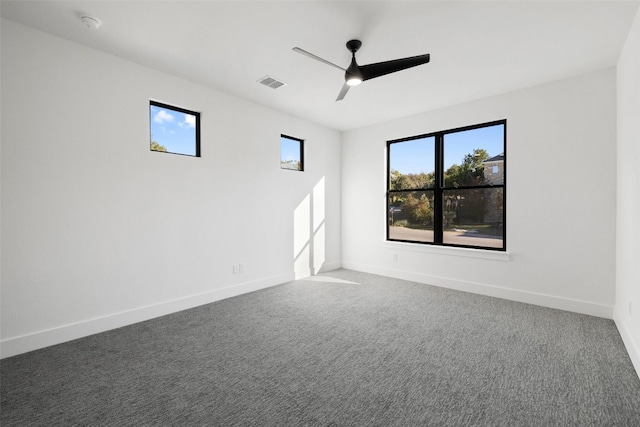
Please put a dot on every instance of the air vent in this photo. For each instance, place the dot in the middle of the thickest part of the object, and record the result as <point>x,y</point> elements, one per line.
<point>271,82</point>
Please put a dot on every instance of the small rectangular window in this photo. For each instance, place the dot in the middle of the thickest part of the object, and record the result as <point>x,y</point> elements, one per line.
<point>174,130</point>
<point>291,153</point>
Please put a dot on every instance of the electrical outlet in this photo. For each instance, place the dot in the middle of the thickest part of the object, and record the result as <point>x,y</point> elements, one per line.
<point>236,268</point>
<point>240,268</point>
<point>395,257</point>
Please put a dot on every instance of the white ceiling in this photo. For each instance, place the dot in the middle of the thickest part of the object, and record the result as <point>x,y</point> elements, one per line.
<point>478,48</point>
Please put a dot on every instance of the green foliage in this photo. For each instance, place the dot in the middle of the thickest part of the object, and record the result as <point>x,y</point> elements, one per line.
<point>419,210</point>
<point>460,206</point>
<point>157,147</point>
<point>464,206</point>
<point>470,172</point>
<point>410,181</point>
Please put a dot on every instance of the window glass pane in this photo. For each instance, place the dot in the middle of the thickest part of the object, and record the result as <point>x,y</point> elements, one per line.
<point>471,157</point>
<point>412,164</point>
<point>410,216</point>
<point>474,217</point>
<point>290,153</point>
<point>174,130</point>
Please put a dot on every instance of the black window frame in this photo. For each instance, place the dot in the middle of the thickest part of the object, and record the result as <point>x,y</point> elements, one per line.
<point>301,142</point>
<point>179,110</point>
<point>439,188</point>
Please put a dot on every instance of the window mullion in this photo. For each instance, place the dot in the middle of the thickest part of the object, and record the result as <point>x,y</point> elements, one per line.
<point>438,193</point>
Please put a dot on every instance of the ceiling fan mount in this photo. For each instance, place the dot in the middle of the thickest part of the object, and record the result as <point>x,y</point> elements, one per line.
<point>356,74</point>
<point>354,45</point>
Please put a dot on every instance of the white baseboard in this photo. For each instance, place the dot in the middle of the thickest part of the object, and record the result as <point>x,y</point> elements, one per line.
<point>632,347</point>
<point>326,266</point>
<point>576,306</point>
<point>22,344</point>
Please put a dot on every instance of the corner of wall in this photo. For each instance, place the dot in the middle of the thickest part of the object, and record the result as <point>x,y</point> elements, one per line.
<point>627,338</point>
<point>628,208</point>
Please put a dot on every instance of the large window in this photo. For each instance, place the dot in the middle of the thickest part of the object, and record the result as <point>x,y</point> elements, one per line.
<point>448,188</point>
<point>174,130</point>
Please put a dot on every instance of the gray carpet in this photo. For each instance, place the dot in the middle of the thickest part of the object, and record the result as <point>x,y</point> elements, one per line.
<point>341,349</point>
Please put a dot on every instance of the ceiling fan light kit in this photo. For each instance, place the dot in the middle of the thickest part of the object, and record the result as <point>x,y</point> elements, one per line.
<point>356,74</point>
<point>354,80</point>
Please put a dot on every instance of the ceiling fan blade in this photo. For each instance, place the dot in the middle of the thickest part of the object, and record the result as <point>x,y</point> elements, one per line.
<point>378,69</point>
<point>343,92</point>
<point>317,58</point>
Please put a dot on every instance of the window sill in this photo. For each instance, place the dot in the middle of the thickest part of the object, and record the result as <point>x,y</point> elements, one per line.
<point>450,251</point>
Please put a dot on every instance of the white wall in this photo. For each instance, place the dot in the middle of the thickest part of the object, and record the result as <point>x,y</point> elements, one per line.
<point>627,306</point>
<point>561,166</point>
<point>98,231</point>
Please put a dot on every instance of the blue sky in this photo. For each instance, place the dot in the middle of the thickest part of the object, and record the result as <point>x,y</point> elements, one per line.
<point>413,156</point>
<point>174,130</point>
<point>417,155</point>
<point>289,149</point>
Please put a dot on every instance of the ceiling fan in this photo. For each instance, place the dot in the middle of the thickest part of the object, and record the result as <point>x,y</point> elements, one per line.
<point>356,74</point>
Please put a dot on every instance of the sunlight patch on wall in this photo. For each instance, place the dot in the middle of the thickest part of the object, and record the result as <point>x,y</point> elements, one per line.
<point>301,237</point>
<point>309,233</point>
<point>318,218</point>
